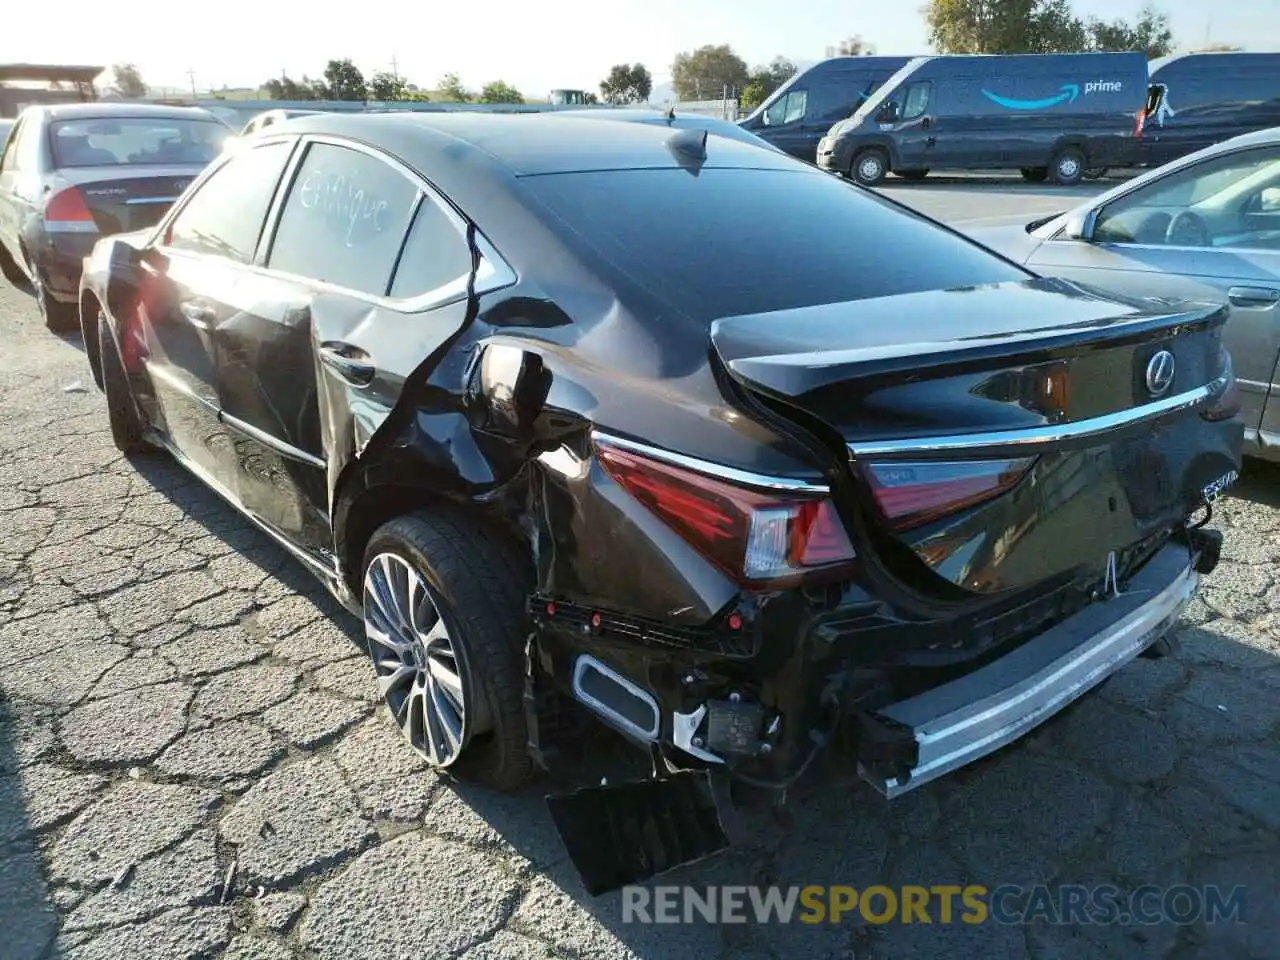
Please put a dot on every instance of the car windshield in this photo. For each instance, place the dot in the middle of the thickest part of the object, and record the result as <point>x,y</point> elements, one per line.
<point>135,141</point>
<point>735,241</point>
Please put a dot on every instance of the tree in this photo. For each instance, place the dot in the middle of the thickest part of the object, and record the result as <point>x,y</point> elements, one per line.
<point>286,88</point>
<point>627,83</point>
<point>452,90</point>
<point>128,81</point>
<point>855,46</point>
<point>1150,33</point>
<point>344,81</point>
<point>1038,26</point>
<point>500,92</point>
<point>388,86</point>
<point>705,73</point>
<point>1217,48</point>
<point>589,97</point>
<point>764,80</point>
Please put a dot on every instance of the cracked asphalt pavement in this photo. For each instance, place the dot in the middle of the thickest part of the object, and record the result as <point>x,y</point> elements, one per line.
<point>193,762</point>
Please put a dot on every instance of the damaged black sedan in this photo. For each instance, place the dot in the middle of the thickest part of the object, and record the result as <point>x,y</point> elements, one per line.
<point>724,449</point>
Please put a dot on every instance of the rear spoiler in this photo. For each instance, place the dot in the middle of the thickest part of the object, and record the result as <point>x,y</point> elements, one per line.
<point>789,353</point>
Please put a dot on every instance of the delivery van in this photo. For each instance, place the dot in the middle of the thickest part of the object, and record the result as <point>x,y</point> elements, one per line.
<point>1199,99</point>
<point>1051,116</point>
<point>796,115</point>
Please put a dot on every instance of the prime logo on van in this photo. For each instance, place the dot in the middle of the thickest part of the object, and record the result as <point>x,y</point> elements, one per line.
<point>1067,93</point>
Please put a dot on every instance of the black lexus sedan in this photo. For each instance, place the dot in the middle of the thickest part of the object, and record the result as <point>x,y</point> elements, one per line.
<point>72,173</point>
<point>724,449</point>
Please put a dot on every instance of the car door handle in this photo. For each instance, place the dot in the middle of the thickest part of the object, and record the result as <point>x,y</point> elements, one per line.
<point>926,123</point>
<point>1253,296</point>
<point>199,315</point>
<point>348,362</point>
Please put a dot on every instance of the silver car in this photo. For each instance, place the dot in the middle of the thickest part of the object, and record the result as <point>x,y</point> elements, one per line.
<point>1206,226</point>
<point>71,173</point>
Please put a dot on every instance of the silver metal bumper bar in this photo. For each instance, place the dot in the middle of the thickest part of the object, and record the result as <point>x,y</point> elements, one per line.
<point>970,717</point>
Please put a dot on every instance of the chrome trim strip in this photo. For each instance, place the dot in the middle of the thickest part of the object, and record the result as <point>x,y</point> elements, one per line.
<point>976,729</point>
<point>141,200</point>
<point>1053,433</point>
<point>178,385</point>
<point>744,478</point>
<point>279,446</point>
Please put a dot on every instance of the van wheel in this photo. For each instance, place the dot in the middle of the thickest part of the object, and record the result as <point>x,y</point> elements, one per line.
<point>869,167</point>
<point>1067,168</point>
<point>1035,174</point>
<point>127,429</point>
<point>911,174</point>
<point>444,614</point>
<point>1095,173</point>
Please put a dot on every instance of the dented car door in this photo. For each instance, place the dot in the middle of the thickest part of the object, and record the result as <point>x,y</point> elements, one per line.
<point>367,276</point>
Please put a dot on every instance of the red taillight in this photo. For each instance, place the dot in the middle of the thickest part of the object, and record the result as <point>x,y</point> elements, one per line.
<point>67,212</point>
<point>758,537</point>
<point>910,494</point>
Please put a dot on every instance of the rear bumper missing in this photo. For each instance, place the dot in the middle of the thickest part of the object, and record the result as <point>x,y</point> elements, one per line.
<point>914,741</point>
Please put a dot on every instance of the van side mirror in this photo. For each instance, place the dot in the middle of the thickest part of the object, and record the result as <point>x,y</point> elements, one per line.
<point>888,112</point>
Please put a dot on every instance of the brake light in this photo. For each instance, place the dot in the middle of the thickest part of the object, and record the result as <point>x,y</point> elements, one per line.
<point>911,494</point>
<point>759,538</point>
<point>66,212</point>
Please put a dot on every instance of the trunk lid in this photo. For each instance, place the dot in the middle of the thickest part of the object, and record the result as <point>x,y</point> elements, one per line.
<point>130,198</point>
<point>1004,435</point>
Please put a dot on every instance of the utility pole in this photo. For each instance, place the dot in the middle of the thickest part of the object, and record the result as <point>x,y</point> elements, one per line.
<point>191,75</point>
<point>395,68</point>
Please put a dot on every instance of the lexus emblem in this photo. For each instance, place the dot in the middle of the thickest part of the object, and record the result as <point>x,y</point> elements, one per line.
<point>1160,373</point>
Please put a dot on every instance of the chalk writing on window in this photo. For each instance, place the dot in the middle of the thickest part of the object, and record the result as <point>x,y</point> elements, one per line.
<point>342,201</point>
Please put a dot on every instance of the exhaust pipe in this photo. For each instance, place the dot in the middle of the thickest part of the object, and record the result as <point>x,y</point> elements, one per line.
<point>622,704</point>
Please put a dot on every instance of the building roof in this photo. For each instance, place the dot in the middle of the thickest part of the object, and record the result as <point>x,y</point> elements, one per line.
<point>49,72</point>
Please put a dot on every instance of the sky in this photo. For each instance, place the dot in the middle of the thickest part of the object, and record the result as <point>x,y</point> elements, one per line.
<point>535,46</point>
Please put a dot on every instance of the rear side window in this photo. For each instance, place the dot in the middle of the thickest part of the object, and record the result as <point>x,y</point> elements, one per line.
<point>788,109</point>
<point>435,255</point>
<point>729,242</point>
<point>344,220</point>
<point>225,215</point>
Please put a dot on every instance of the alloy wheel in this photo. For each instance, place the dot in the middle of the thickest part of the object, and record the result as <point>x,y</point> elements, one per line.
<point>420,674</point>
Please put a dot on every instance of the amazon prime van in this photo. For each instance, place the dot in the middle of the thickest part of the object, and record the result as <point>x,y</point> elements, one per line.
<point>1052,116</point>
<point>796,115</point>
<point>1199,99</point>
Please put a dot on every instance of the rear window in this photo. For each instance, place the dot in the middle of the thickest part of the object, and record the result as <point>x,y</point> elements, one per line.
<point>730,242</point>
<point>135,141</point>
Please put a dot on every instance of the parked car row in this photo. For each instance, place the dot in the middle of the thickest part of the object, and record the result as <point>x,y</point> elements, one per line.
<point>534,399</point>
<point>1052,116</point>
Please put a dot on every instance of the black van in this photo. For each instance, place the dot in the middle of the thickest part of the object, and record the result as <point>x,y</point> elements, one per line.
<point>796,115</point>
<point>1199,99</point>
<point>1049,115</point>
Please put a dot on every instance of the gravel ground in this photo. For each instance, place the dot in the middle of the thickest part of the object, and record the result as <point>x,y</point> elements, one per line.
<point>192,762</point>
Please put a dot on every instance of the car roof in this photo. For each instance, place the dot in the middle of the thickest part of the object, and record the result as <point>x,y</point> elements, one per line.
<point>141,111</point>
<point>531,144</point>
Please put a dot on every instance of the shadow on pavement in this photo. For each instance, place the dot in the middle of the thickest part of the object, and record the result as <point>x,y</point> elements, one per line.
<point>27,920</point>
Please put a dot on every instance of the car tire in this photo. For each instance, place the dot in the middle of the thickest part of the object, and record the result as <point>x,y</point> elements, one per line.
<point>1035,174</point>
<point>911,174</point>
<point>1067,167</point>
<point>459,665</point>
<point>59,317</point>
<point>127,429</point>
<point>12,272</point>
<point>869,167</point>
